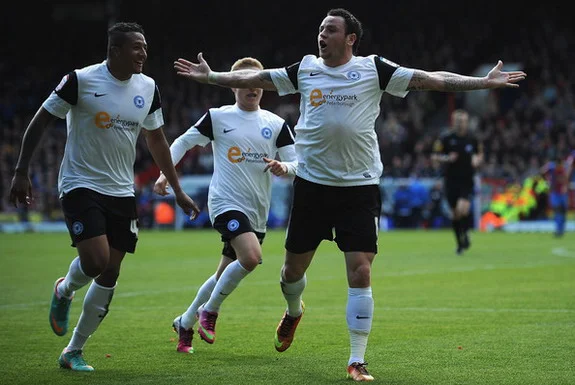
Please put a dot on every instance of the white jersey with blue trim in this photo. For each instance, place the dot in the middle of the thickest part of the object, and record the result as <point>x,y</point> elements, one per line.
<point>240,140</point>
<point>104,117</point>
<point>335,139</point>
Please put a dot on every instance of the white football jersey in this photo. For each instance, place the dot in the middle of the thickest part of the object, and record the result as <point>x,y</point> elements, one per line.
<point>240,140</point>
<point>104,117</point>
<point>335,139</point>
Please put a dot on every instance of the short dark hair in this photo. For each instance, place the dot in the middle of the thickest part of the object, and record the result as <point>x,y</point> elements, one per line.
<point>117,32</point>
<point>352,25</point>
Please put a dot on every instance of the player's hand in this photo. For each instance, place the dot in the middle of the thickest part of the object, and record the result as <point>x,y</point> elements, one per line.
<point>161,185</point>
<point>194,71</point>
<point>497,78</point>
<point>277,168</point>
<point>21,190</point>
<point>187,204</point>
<point>453,156</point>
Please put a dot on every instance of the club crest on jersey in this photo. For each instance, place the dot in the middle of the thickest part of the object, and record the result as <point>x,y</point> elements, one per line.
<point>233,225</point>
<point>77,228</point>
<point>353,75</point>
<point>266,132</point>
<point>139,101</point>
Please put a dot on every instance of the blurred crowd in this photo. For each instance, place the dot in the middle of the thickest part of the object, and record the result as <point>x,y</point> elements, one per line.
<point>520,128</point>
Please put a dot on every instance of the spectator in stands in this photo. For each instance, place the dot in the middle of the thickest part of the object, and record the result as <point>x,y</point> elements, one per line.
<point>419,199</point>
<point>438,212</point>
<point>403,217</point>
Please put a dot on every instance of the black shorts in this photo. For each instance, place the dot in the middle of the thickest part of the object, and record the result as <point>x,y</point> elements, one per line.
<point>89,214</point>
<point>317,210</point>
<point>455,191</point>
<point>231,224</point>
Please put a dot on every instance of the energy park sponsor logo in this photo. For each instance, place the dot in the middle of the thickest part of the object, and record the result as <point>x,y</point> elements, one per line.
<point>317,98</point>
<point>237,155</point>
<point>103,120</point>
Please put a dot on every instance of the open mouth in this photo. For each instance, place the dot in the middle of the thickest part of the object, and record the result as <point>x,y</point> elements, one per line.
<point>322,44</point>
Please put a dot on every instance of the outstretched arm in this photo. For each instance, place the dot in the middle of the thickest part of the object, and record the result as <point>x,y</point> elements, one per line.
<point>452,82</point>
<point>201,72</point>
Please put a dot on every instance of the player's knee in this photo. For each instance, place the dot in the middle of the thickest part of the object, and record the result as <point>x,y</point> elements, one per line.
<point>109,276</point>
<point>292,272</point>
<point>250,260</point>
<point>360,276</point>
<point>93,266</point>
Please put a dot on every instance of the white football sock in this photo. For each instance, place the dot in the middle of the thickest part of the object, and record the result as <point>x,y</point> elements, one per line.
<point>229,280</point>
<point>292,292</point>
<point>74,280</point>
<point>359,316</point>
<point>95,308</point>
<point>189,317</point>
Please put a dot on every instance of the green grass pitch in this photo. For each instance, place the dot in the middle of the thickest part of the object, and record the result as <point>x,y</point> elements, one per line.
<point>503,313</point>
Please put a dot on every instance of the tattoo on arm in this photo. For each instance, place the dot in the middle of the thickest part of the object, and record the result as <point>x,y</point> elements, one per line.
<point>418,81</point>
<point>444,81</point>
<point>266,78</point>
<point>247,78</point>
<point>455,82</point>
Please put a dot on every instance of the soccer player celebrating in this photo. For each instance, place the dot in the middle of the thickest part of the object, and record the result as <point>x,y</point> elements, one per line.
<point>105,105</point>
<point>336,187</point>
<point>245,140</point>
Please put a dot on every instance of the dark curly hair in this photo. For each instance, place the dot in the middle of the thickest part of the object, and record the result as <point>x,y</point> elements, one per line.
<point>117,33</point>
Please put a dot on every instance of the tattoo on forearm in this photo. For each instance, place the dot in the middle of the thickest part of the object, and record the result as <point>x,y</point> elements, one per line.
<point>443,81</point>
<point>265,76</point>
<point>454,82</point>
<point>417,81</point>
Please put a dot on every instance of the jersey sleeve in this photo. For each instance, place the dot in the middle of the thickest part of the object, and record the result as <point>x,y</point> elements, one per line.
<point>285,79</point>
<point>393,78</point>
<point>191,138</point>
<point>205,127</point>
<point>155,118</point>
<point>63,97</point>
<point>288,157</point>
<point>285,137</point>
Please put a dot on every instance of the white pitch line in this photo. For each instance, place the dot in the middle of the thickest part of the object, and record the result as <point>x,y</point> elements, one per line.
<point>559,251</point>
<point>322,308</point>
<point>562,252</point>
<point>477,310</point>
